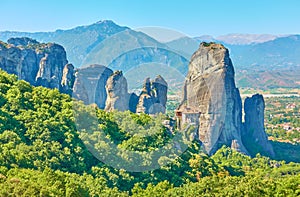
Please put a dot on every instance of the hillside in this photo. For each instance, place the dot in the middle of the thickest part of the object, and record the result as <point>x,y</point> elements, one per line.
<point>45,150</point>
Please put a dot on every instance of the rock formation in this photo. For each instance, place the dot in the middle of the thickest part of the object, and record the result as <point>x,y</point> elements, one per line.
<point>160,90</point>
<point>133,101</point>
<point>51,66</point>
<point>210,89</point>
<point>118,97</point>
<point>46,65</point>
<point>37,63</point>
<point>68,78</point>
<point>254,136</point>
<point>153,97</point>
<point>89,85</point>
<point>145,99</point>
<point>210,93</point>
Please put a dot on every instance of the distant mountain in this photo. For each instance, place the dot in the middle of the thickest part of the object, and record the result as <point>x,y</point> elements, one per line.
<point>239,39</point>
<point>280,52</point>
<point>255,56</point>
<point>116,47</point>
<point>245,39</point>
<point>185,45</point>
<point>271,64</point>
<point>131,51</point>
<point>78,41</point>
<point>268,65</point>
<point>268,79</point>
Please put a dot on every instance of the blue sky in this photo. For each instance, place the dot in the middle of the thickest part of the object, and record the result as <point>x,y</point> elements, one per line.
<point>193,17</point>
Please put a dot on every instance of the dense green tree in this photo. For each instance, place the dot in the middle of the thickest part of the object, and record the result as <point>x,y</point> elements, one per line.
<point>50,145</point>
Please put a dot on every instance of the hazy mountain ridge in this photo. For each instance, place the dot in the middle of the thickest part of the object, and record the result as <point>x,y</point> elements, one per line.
<point>240,39</point>
<point>278,52</point>
<point>78,41</point>
<point>270,64</point>
<point>103,43</point>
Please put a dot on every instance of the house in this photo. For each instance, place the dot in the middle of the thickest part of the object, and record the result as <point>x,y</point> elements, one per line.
<point>187,116</point>
<point>286,126</point>
<point>291,106</point>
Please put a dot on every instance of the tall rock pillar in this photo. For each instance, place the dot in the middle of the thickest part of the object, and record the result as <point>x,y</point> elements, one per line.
<point>210,90</point>
<point>254,136</point>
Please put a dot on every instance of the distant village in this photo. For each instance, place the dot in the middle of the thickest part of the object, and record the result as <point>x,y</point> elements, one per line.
<point>281,120</point>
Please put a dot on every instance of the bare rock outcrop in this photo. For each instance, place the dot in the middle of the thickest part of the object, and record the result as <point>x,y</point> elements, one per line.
<point>254,136</point>
<point>89,85</point>
<point>210,90</point>
<point>68,78</point>
<point>20,61</point>
<point>118,97</point>
<point>38,63</point>
<point>160,90</point>
<point>210,96</point>
<point>153,97</point>
<point>145,99</point>
<point>133,101</point>
<point>51,66</point>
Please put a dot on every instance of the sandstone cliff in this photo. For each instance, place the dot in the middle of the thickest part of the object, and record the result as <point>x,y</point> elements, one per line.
<point>254,136</point>
<point>118,97</point>
<point>46,65</point>
<point>210,90</point>
<point>51,65</point>
<point>89,85</point>
<point>37,63</point>
<point>153,97</point>
<point>68,78</point>
<point>211,96</point>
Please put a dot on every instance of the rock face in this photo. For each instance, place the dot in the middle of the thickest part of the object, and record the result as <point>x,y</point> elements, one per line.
<point>210,92</point>
<point>89,85</point>
<point>68,78</point>
<point>254,136</point>
<point>153,97</point>
<point>46,65</point>
<point>37,63</point>
<point>118,97</point>
<point>51,66</point>
<point>210,89</point>
<point>133,101</point>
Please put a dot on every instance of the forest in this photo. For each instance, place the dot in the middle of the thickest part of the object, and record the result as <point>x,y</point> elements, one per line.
<point>46,151</point>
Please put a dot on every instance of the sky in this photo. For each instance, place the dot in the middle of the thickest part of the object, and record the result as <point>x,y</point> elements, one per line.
<point>191,17</point>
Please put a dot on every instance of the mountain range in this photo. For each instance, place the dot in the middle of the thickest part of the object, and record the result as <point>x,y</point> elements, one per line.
<point>261,60</point>
<point>271,64</point>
